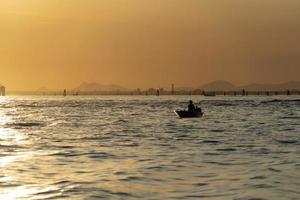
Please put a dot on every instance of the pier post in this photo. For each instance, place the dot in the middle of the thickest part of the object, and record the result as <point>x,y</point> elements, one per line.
<point>172,89</point>
<point>2,91</point>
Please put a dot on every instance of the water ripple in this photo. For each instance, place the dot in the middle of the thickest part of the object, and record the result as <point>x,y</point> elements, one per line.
<point>134,147</point>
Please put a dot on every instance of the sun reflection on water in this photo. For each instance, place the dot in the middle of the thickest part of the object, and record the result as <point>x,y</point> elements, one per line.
<point>18,192</point>
<point>10,156</point>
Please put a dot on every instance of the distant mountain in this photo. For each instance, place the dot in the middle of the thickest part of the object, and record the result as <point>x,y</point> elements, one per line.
<point>88,87</point>
<point>219,85</point>
<point>291,85</point>
<point>184,88</point>
<point>43,89</point>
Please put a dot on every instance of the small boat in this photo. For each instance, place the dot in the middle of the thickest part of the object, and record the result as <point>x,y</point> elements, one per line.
<point>188,114</point>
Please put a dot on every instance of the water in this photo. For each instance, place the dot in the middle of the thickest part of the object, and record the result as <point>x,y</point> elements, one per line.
<point>118,147</point>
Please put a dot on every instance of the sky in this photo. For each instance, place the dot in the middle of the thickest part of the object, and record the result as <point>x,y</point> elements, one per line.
<point>147,43</point>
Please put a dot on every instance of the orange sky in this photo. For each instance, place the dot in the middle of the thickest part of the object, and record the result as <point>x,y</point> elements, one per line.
<point>147,43</point>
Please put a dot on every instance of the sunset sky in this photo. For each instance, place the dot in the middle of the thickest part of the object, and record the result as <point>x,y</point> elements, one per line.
<point>147,43</point>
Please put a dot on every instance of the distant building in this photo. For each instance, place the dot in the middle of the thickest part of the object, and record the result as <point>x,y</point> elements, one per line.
<point>151,91</point>
<point>2,90</point>
<point>161,90</point>
<point>172,89</point>
<point>157,92</point>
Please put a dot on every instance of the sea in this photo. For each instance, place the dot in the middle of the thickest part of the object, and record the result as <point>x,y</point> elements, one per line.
<point>135,147</point>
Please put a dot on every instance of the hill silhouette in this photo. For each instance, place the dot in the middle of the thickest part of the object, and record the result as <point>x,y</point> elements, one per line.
<point>221,85</point>
<point>98,87</point>
<point>291,85</point>
<point>218,85</point>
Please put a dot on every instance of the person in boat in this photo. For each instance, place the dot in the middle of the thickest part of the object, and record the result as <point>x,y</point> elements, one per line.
<point>198,109</point>
<point>191,106</point>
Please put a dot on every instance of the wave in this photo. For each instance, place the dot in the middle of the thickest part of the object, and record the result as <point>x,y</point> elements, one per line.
<point>287,141</point>
<point>89,155</point>
<point>228,103</point>
<point>280,101</point>
<point>211,141</point>
<point>25,124</point>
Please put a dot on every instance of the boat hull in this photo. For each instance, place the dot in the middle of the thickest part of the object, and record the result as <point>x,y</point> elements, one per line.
<point>188,114</point>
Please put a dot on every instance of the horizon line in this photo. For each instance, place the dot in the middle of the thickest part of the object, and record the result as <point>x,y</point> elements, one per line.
<point>144,88</point>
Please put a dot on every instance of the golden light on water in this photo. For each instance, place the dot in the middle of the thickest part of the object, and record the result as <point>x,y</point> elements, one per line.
<point>16,193</point>
<point>90,147</point>
<point>20,164</point>
<point>9,159</point>
<point>9,163</point>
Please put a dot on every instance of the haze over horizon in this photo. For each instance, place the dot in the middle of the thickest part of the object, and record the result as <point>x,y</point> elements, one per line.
<point>140,43</point>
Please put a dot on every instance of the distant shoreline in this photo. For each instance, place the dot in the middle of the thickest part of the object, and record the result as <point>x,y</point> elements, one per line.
<point>218,87</point>
<point>156,93</point>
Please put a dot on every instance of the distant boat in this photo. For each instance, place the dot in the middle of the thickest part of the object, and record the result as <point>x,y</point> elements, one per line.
<point>188,114</point>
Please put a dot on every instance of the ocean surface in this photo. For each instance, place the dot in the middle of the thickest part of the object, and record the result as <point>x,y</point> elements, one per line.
<point>134,147</point>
